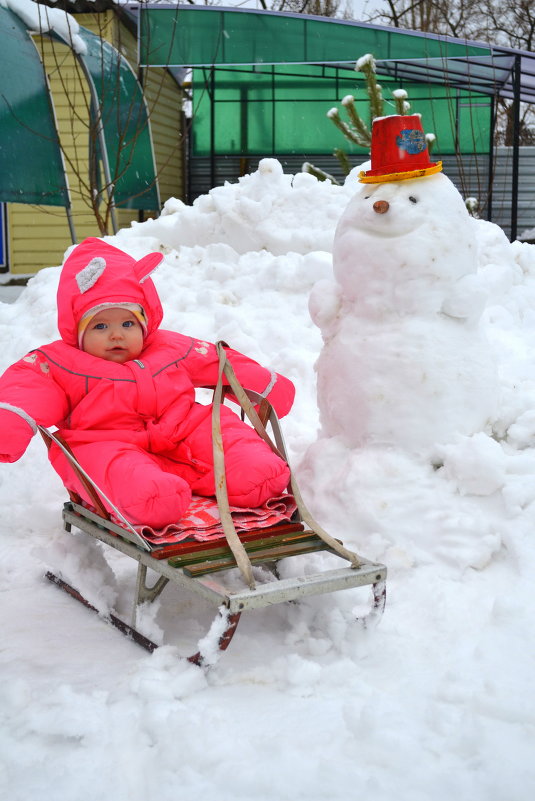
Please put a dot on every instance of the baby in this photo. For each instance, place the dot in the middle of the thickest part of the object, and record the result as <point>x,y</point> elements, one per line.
<point>122,394</point>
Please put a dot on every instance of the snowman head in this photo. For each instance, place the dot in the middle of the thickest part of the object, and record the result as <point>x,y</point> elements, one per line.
<point>400,177</point>
<point>397,208</point>
<point>402,245</point>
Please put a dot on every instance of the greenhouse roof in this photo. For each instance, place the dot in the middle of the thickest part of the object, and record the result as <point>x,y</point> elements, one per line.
<point>27,123</point>
<point>32,168</point>
<point>196,36</point>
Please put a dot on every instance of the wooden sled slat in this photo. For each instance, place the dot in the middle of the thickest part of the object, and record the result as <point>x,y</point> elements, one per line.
<point>191,546</point>
<point>260,542</point>
<point>257,557</point>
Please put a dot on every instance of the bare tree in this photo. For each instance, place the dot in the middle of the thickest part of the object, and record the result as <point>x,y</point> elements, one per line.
<point>321,8</point>
<point>460,18</point>
<point>510,23</point>
<point>84,115</point>
<point>431,16</point>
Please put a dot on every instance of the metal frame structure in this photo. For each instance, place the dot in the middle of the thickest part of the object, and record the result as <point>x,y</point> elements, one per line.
<point>506,72</point>
<point>228,602</point>
<point>488,69</point>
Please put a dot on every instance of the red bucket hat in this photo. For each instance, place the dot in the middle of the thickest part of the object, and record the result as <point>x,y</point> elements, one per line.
<point>399,150</point>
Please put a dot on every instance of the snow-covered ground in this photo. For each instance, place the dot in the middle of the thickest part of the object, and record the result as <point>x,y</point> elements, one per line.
<point>8,294</point>
<point>434,703</point>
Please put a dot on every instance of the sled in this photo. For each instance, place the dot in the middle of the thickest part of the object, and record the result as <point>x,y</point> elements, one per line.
<point>203,567</point>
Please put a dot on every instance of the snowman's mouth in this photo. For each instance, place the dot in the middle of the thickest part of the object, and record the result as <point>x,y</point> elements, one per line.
<point>390,223</point>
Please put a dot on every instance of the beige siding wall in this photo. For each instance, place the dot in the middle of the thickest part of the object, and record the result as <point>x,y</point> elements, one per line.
<point>39,236</point>
<point>167,133</point>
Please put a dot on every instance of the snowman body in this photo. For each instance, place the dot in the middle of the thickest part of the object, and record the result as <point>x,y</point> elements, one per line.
<point>404,362</point>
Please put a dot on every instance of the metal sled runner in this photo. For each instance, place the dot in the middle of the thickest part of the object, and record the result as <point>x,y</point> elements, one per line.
<point>202,567</point>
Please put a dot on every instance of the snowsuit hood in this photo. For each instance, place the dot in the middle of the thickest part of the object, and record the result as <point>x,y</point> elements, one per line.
<point>96,273</point>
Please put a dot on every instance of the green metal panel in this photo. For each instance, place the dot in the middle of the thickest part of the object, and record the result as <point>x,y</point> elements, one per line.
<point>278,110</point>
<point>205,36</point>
<point>125,122</point>
<point>275,77</point>
<point>31,167</point>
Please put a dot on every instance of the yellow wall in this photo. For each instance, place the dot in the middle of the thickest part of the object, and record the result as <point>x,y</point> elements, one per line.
<point>39,235</point>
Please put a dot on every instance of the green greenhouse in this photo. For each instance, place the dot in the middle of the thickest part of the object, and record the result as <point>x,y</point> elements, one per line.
<point>262,83</point>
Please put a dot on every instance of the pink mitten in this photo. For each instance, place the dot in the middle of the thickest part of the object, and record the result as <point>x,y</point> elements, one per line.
<point>15,435</point>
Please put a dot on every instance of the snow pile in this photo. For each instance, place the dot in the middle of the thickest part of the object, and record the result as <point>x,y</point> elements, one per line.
<point>436,702</point>
<point>267,210</point>
<point>41,19</point>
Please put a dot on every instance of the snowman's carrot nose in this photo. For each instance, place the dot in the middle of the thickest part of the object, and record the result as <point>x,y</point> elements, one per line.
<point>381,206</point>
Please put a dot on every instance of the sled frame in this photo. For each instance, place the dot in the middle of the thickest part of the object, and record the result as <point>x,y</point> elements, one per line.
<point>174,563</point>
<point>229,603</point>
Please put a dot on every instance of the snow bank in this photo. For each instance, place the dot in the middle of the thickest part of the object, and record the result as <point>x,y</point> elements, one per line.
<point>41,19</point>
<point>436,702</point>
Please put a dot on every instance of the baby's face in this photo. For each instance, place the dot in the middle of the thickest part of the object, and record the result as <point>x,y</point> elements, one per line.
<point>114,334</point>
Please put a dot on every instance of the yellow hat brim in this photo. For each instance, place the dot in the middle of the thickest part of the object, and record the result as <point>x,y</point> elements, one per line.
<point>399,176</point>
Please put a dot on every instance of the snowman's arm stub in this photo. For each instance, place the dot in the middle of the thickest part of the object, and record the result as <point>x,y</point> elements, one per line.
<point>325,302</point>
<point>466,299</point>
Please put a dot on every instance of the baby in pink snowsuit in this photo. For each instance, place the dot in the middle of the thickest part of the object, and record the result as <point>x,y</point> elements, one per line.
<point>122,394</point>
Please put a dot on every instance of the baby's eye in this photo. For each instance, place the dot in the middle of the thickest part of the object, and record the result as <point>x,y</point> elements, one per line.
<point>413,199</point>
<point>100,326</point>
<point>128,323</point>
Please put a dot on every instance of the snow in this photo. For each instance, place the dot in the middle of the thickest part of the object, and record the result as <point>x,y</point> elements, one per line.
<point>364,61</point>
<point>41,19</point>
<point>527,234</point>
<point>436,701</point>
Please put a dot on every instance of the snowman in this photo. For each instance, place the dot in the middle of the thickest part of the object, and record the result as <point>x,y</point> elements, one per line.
<point>404,362</point>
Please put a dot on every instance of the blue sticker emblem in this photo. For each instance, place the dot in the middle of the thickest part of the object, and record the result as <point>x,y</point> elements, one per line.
<point>411,140</point>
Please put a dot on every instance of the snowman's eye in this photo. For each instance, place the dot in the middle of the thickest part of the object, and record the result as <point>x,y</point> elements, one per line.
<point>413,199</point>
<point>366,197</point>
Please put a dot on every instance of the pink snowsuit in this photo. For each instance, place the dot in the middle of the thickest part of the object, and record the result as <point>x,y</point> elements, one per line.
<point>135,427</point>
